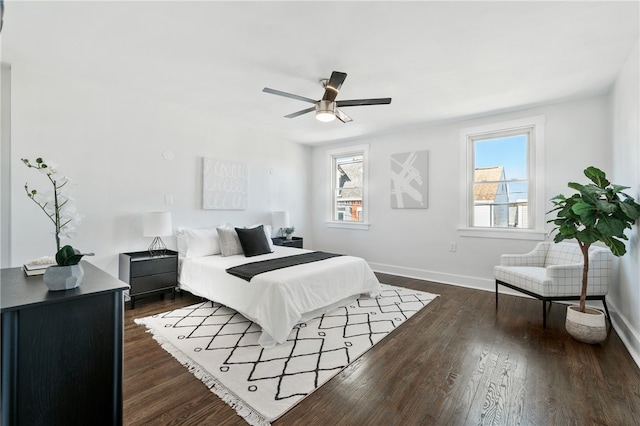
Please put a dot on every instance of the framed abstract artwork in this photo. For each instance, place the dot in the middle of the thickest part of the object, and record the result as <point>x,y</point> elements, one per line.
<point>409,178</point>
<point>224,185</point>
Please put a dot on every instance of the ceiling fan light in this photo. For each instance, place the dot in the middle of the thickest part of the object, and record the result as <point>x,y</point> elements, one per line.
<point>325,116</point>
<point>326,111</point>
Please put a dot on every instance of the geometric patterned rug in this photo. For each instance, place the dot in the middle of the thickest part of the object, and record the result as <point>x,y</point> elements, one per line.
<point>220,347</point>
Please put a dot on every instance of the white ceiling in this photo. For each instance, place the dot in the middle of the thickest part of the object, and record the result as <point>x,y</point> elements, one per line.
<point>438,60</point>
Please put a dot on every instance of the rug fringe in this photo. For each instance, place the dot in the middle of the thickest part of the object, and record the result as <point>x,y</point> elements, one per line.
<point>245,411</point>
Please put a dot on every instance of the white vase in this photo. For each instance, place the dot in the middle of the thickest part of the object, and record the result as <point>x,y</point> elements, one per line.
<point>59,278</point>
<point>588,327</point>
<point>289,236</point>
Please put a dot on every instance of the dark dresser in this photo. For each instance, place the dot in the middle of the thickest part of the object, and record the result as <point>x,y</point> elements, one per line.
<point>62,350</point>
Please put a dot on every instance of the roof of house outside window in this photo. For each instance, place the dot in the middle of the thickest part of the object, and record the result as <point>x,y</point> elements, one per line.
<point>352,188</point>
<point>487,191</point>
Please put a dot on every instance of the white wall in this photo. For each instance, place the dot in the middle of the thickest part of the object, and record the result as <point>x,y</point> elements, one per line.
<point>416,242</point>
<point>5,161</point>
<point>111,144</point>
<point>625,110</point>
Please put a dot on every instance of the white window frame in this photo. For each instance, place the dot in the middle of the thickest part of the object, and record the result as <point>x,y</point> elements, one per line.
<point>535,170</point>
<point>343,152</point>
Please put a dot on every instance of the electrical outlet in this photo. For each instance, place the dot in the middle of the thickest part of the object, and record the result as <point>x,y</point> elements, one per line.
<point>453,246</point>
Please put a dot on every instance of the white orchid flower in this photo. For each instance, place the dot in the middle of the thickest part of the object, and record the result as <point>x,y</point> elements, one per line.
<point>58,204</point>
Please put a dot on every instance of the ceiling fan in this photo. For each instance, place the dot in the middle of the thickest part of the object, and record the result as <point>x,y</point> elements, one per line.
<point>327,108</point>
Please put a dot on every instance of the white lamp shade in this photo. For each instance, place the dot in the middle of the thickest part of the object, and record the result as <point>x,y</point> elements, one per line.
<point>279,220</point>
<point>157,224</point>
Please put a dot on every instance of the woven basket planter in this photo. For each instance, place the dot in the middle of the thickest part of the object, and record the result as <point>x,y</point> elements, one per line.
<point>587,327</point>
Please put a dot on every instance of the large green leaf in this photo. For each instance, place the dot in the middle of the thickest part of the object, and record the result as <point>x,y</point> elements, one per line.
<point>597,176</point>
<point>582,207</point>
<point>591,193</point>
<point>619,188</point>
<point>575,185</point>
<point>559,237</point>
<point>67,256</point>
<point>611,227</point>
<point>568,229</point>
<point>589,218</point>
<point>606,206</point>
<point>559,197</point>
<point>631,211</point>
<point>617,247</point>
<point>589,235</point>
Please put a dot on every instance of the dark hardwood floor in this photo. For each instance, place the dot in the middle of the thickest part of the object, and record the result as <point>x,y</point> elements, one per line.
<point>456,362</point>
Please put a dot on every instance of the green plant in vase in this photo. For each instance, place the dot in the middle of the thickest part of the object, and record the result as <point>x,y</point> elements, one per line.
<point>288,231</point>
<point>599,212</point>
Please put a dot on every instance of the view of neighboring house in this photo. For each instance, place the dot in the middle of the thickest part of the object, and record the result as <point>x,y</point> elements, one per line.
<point>349,199</point>
<point>494,204</point>
<point>490,197</point>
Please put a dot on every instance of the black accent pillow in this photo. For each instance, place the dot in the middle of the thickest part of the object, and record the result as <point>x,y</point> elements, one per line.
<point>253,241</point>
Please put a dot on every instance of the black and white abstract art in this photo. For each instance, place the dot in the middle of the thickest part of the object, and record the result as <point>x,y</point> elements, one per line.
<point>409,180</point>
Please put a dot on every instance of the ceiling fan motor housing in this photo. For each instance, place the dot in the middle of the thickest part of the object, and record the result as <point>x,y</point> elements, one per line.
<point>325,110</point>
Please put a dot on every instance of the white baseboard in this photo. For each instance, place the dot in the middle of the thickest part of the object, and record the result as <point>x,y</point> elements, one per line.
<point>629,336</point>
<point>441,278</point>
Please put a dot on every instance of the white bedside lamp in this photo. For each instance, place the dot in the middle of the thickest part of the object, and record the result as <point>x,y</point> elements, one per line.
<point>279,220</point>
<point>156,225</point>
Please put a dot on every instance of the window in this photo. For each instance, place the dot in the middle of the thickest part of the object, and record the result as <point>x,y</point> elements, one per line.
<point>503,181</point>
<point>349,203</point>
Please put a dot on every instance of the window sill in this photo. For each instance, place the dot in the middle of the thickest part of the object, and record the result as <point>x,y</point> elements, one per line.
<point>508,234</point>
<point>348,225</point>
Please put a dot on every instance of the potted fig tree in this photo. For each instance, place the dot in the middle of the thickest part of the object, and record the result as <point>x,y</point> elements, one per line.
<point>598,212</point>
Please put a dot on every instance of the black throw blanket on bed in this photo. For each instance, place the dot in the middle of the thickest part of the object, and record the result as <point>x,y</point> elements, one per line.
<point>249,270</point>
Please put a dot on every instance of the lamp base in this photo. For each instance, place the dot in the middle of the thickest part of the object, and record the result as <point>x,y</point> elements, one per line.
<point>157,247</point>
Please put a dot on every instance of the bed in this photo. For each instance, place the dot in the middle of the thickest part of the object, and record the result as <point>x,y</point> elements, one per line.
<point>277,300</point>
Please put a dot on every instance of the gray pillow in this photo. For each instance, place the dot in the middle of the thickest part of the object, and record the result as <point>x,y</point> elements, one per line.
<point>229,241</point>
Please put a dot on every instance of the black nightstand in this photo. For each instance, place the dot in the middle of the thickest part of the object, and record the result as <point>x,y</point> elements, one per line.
<point>293,242</point>
<point>147,274</point>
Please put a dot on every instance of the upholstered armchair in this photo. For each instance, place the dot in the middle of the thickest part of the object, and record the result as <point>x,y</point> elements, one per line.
<point>553,272</point>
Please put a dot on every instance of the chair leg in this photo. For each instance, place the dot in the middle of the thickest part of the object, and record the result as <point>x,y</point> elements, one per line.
<point>496,294</point>
<point>544,314</point>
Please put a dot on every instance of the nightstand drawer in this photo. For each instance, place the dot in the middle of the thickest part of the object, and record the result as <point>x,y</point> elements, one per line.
<point>155,266</point>
<point>152,283</point>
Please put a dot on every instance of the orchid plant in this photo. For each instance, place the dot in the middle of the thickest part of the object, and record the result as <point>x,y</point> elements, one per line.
<point>59,207</point>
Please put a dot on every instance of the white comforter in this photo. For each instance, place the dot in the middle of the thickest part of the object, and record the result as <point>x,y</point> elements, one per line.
<point>279,299</point>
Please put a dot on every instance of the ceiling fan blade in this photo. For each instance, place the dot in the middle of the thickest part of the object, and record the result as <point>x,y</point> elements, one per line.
<point>304,111</point>
<point>288,95</point>
<point>358,102</point>
<point>342,116</point>
<point>333,86</point>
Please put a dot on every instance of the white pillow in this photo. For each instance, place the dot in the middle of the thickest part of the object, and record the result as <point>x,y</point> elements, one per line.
<point>182,243</point>
<point>267,232</point>
<point>229,241</point>
<point>200,242</point>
